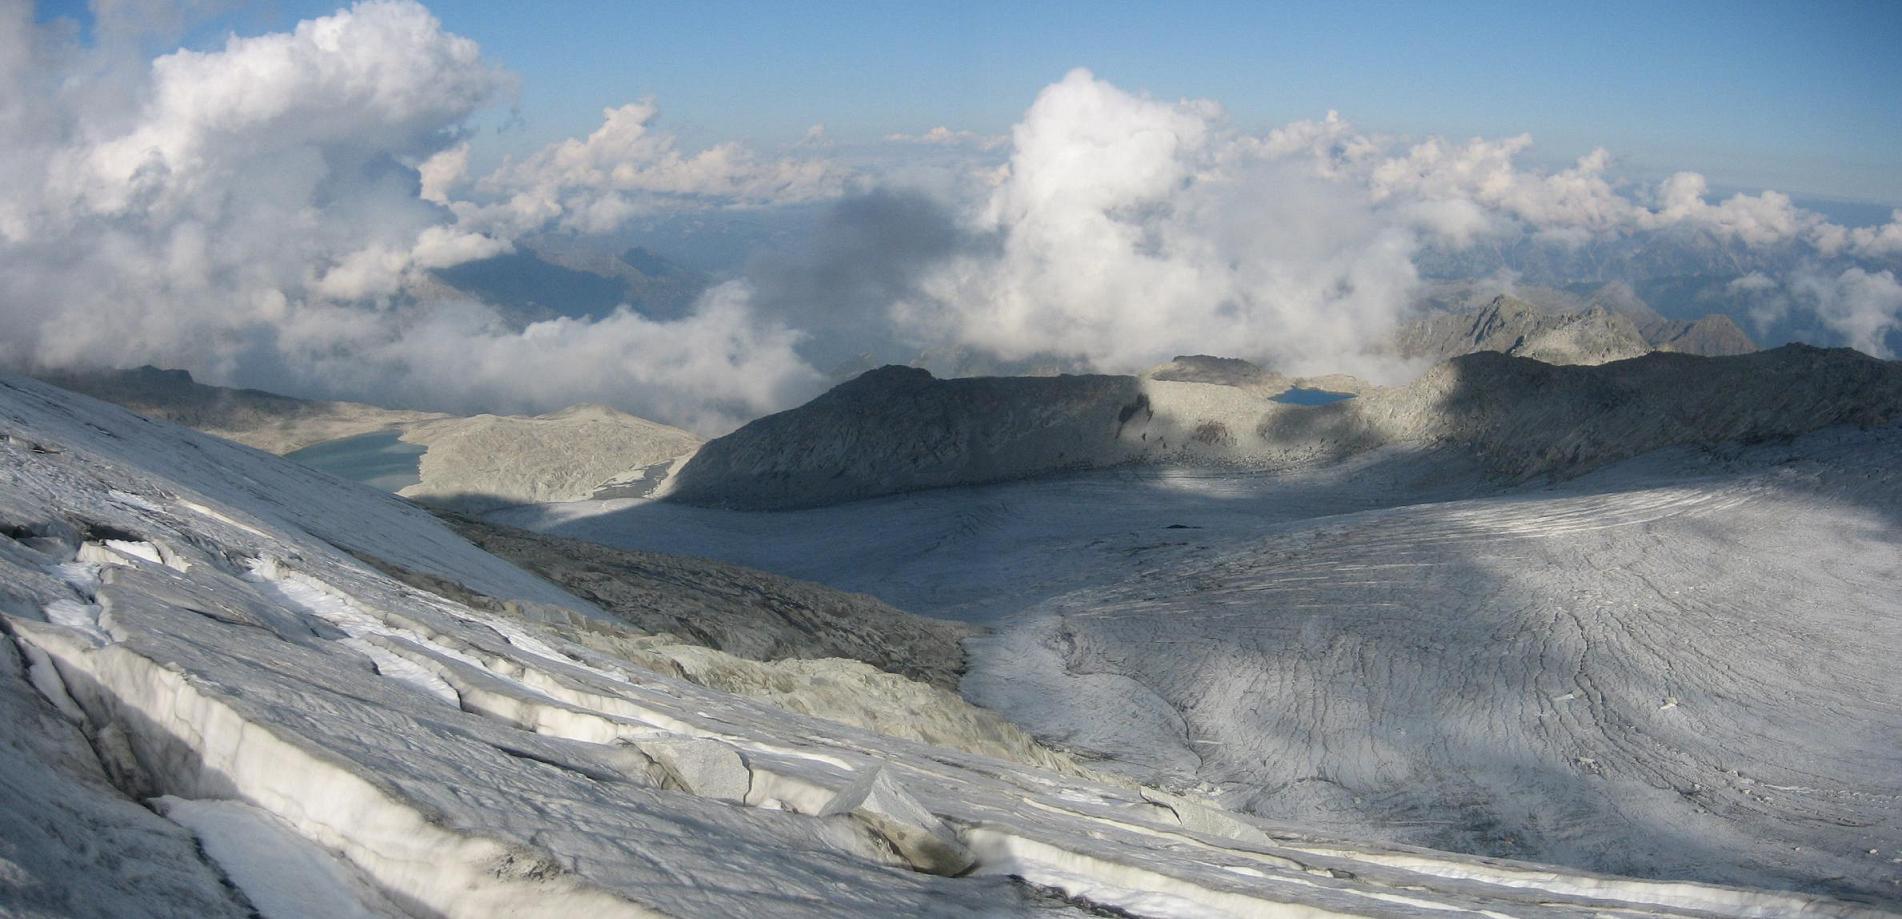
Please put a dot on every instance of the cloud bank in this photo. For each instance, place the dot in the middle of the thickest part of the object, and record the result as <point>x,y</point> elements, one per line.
<point>1125,231</point>
<point>268,213</point>
<point>625,168</point>
<point>263,213</point>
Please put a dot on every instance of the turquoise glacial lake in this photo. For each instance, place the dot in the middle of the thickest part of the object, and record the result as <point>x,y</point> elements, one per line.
<point>1300,396</point>
<point>378,459</point>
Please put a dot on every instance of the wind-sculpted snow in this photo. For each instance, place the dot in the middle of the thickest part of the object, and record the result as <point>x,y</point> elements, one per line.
<point>317,722</point>
<point>897,429</point>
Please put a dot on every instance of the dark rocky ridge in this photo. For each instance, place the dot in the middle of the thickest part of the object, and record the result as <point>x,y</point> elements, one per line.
<point>1224,371</point>
<point>898,429</point>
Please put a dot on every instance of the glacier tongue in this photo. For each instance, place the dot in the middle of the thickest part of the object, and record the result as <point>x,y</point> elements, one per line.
<point>311,718</point>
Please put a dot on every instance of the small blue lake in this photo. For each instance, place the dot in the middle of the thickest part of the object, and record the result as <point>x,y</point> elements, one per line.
<point>379,459</point>
<point>1299,396</point>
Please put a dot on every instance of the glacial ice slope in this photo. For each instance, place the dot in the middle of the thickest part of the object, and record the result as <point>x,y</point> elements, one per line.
<point>1641,672</point>
<point>70,843</point>
<point>984,552</point>
<point>184,603</point>
<point>741,611</point>
<point>1391,645</point>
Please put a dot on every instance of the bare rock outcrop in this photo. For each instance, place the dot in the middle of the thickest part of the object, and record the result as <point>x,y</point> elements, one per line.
<point>476,462</point>
<point>1513,326</point>
<point>1223,371</point>
<point>898,429</point>
<point>576,453</point>
<point>1715,335</point>
<point>1560,326</point>
<point>1711,335</point>
<point>253,417</point>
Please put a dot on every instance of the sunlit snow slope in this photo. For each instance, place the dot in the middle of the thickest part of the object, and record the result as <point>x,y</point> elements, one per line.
<point>191,630</point>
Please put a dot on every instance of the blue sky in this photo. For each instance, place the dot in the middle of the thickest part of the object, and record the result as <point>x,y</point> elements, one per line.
<point>1802,97</point>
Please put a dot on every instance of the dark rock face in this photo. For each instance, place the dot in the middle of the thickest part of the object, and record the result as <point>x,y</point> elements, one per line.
<point>267,421</point>
<point>1715,335</point>
<point>1223,371</point>
<point>1571,326</point>
<point>174,396</point>
<point>899,429</point>
<point>1528,419</point>
<point>1711,335</point>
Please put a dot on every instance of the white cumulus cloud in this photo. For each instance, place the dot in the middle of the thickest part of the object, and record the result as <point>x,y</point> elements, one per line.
<point>943,136</point>
<point>627,167</point>
<point>261,213</point>
<point>1128,229</point>
<point>1864,306</point>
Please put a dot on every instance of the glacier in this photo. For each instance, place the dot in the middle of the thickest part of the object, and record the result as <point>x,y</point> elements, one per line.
<point>234,707</point>
<point>1677,666</point>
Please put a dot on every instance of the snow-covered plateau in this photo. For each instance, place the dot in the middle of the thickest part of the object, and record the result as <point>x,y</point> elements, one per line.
<point>235,692</point>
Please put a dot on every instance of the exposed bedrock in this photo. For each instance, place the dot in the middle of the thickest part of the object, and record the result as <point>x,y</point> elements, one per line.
<point>898,429</point>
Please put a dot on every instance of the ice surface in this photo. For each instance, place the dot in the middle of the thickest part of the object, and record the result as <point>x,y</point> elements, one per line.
<point>280,872</point>
<point>73,845</point>
<point>1681,666</point>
